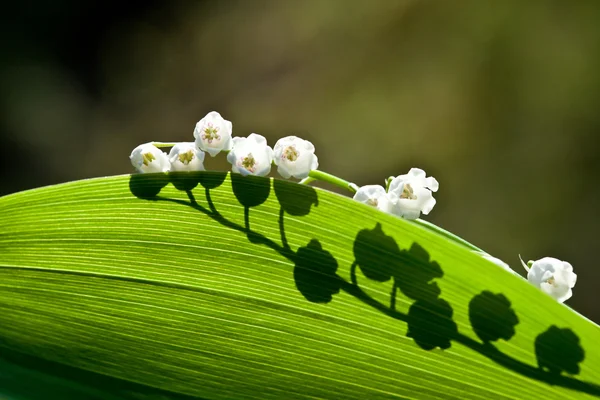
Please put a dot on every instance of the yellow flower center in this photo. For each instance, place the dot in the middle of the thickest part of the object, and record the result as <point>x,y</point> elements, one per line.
<point>249,162</point>
<point>186,157</point>
<point>407,192</point>
<point>372,202</point>
<point>211,133</point>
<point>291,153</point>
<point>147,158</point>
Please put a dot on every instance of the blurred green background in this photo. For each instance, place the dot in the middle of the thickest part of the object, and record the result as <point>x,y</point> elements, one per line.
<point>498,100</point>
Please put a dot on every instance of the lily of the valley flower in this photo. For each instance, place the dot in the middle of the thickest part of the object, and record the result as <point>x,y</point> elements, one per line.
<point>149,158</point>
<point>410,194</point>
<point>251,155</point>
<point>186,157</point>
<point>553,276</point>
<point>373,195</point>
<point>295,157</point>
<point>213,134</point>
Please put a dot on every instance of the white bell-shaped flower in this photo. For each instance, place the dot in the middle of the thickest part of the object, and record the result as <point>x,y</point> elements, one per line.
<point>149,158</point>
<point>213,134</point>
<point>410,194</point>
<point>373,195</point>
<point>251,155</point>
<point>295,157</point>
<point>553,276</point>
<point>186,157</point>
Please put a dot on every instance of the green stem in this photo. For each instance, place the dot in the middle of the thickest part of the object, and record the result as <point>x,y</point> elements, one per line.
<point>163,144</point>
<point>323,176</point>
<point>317,175</point>
<point>306,181</point>
<point>388,181</point>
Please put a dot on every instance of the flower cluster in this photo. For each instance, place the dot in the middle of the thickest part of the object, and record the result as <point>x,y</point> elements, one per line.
<point>407,195</point>
<point>293,156</point>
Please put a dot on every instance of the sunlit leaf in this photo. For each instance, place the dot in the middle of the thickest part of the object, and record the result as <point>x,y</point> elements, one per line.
<point>219,287</point>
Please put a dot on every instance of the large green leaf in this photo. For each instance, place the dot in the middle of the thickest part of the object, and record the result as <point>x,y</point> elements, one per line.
<point>228,287</point>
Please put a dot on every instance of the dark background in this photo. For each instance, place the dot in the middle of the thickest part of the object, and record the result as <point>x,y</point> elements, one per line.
<point>497,99</point>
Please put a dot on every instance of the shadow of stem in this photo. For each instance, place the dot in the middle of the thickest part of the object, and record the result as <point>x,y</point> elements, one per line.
<point>352,288</point>
<point>486,349</point>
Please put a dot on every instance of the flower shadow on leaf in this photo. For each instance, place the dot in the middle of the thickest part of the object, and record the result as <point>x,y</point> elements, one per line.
<point>492,317</point>
<point>415,274</point>
<point>211,179</point>
<point>250,191</point>
<point>147,186</point>
<point>295,199</point>
<point>184,180</point>
<point>315,277</point>
<point>188,180</point>
<point>376,254</point>
<point>558,350</point>
<point>430,324</point>
<point>314,268</point>
<point>315,273</point>
<point>380,259</point>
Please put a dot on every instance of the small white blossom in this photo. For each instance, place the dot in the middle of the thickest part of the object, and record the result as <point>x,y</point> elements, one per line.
<point>295,157</point>
<point>411,195</point>
<point>149,158</point>
<point>373,195</point>
<point>213,134</point>
<point>186,157</point>
<point>251,155</point>
<point>553,276</point>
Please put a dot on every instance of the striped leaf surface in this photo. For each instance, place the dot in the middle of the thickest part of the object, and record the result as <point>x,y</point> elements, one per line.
<point>215,286</point>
